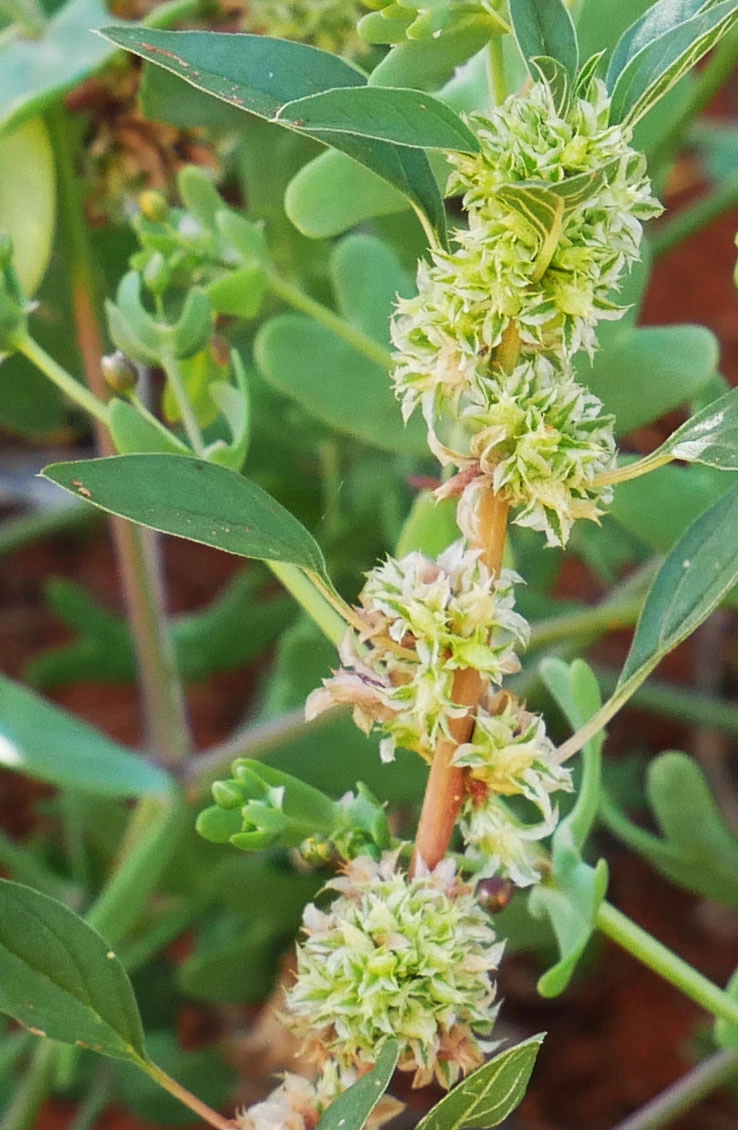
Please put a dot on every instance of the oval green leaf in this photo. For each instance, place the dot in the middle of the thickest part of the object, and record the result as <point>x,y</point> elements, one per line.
<point>404,117</point>
<point>487,1096</point>
<point>659,18</point>
<point>352,1108</point>
<point>195,500</point>
<point>709,437</point>
<point>46,743</point>
<point>60,979</point>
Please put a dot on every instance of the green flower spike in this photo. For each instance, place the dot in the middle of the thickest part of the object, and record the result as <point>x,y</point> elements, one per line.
<point>397,957</point>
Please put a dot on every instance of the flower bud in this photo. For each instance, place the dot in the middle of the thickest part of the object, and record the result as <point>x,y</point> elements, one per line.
<point>119,373</point>
<point>154,206</point>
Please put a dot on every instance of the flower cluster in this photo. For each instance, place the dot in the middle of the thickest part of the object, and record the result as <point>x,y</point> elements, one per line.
<point>424,620</point>
<point>293,1105</point>
<point>555,199</point>
<point>508,754</point>
<point>399,957</point>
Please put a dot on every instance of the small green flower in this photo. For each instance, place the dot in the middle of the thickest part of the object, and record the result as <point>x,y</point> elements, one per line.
<point>424,621</point>
<point>397,957</point>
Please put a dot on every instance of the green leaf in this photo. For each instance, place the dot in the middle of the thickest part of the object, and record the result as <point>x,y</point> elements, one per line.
<point>191,499</point>
<point>696,849</point>
<point>544,27</point>
<point>28,200</point>
<point>48,744</point>
<point>487,1096</point>
<point>659,65</point>
<point>570,900</point>
<point>404,117</point>
<point>261,75</point>
<point>352,1108</point>
<point>709,437</point>
<point>133,432</point>
<point>60,979</point>
<point>430,527</point>
<point>677,360</point>
<point>428,63</point>
<point>334,381</point>
<point>575,689</point>
<point>701,568</point>
<point>331,194</point>
<point>659,18</point>
<point>698,572</point>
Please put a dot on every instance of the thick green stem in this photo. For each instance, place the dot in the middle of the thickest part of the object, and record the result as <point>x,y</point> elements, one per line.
<point>332,321</point>
<point>496,71</point>
<point>684,1094</point>
<point>667,964</point>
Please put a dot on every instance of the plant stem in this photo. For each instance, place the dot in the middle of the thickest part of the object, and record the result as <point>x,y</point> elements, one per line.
<point>667,964</point>
<point>62,379</point>
<point>496,70</point>
<point>33,1088</point>
<point>677,702</point>
<point>332,321</point>
<point>137,549</point>
<point>186,1097</point>
<point>312,598</point>
<point>696,1085</point>
<point>186,411</point>
<point>696,216</point>
<point>444,792</point>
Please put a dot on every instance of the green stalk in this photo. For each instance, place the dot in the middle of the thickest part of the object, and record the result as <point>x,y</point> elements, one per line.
<point>97,1098</point>
<point>684,1094</point>
<point>332,321</point>
<point>496,70</point>
<point>667,964</point>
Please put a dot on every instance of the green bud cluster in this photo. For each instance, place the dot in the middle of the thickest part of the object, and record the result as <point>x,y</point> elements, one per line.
<point>396,20</point>
<point>397,957</point>
<point>555,199</point>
